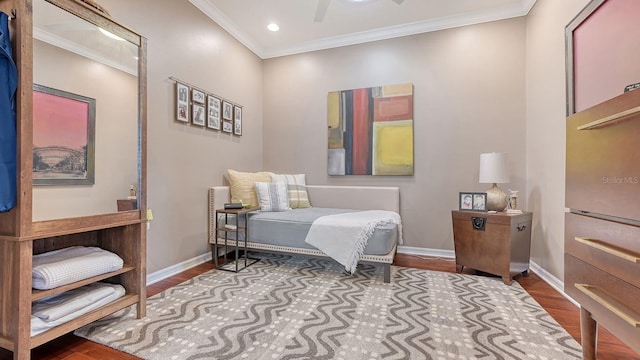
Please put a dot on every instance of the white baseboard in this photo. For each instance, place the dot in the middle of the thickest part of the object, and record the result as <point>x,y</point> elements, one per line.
<point>410,250</point>
<point>177,268</point>
<point>553,281</point>
<point>547,277</point>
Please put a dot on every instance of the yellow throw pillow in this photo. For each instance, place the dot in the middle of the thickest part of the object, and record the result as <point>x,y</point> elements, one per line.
<point>242,185</point>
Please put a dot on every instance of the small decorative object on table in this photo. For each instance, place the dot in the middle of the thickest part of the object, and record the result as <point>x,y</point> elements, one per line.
<point>513,203</point>
<point>233,206</point>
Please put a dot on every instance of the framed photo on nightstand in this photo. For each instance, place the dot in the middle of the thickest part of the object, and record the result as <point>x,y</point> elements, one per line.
<point>473,201</point>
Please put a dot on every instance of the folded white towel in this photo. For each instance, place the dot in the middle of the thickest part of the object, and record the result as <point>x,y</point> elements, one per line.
<point>54,307</point>
<point>68,265</point>
<point>38,325</point>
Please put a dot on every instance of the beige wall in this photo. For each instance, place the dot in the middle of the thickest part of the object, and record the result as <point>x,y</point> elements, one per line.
<point>184,160</point>
<point>469,94</point>
<point>545,136</point>
<point>470,97</point>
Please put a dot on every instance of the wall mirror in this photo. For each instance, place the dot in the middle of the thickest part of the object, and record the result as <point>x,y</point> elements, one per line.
<point>601,54</point>
<point>86,135</point>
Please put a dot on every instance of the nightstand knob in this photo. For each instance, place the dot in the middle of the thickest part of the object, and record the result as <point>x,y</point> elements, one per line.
<point>522,228</point>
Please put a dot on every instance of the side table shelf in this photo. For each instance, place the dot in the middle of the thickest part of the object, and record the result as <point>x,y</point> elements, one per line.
<point>237,243</point>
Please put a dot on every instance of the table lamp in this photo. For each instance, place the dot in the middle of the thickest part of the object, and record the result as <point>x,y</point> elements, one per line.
<point>494,170</point>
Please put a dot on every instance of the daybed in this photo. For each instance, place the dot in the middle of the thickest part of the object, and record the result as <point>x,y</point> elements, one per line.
<point>284,232</point>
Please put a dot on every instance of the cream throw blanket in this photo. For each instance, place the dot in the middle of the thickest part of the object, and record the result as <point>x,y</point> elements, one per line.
<point>343,237</point>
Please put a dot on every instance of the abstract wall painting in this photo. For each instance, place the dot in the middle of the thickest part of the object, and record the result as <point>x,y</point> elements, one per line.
<point>370,131</point>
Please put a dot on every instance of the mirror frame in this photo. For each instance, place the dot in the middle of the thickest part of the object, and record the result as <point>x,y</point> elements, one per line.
<point>589,9</point>
<point>17,224</point>
<point>93,222</point>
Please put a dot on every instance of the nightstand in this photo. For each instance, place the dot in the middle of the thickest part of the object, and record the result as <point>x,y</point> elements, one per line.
<point>498,244</point>
<point>236,229</point>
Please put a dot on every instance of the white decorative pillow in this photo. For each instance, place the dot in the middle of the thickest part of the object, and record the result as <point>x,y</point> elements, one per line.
<point>272,196</point>
<point>296,189</point>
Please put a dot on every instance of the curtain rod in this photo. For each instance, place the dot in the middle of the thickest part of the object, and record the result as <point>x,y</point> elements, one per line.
<point>203,90</point>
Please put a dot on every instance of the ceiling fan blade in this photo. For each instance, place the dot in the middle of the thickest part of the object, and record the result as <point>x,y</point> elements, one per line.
<point>321,10</point>
<point>398,1</point>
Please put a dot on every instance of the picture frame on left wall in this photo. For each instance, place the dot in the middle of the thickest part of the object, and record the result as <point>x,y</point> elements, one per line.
<point>237,120</point>
<point>198,114</point>
<point>182,102</point>
<point>197,96</point>
<point>227,126</point>
<point>213,113</point>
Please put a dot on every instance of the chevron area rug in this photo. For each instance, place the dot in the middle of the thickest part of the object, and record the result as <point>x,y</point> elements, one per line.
<point>288,307</point>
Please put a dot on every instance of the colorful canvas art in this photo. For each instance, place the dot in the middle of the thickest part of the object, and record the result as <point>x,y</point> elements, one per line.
<point>371,131</point>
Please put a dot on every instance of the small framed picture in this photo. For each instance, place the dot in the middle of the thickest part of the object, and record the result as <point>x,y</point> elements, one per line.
<point>227,111</point>
<point>197,96</point>
<point>473,201</point>
<point>182,102</point>
<point>480,202</point>
<point>237,120</point>
<point>198,114</point>
<point>213,112</point>
<point>227,126</point>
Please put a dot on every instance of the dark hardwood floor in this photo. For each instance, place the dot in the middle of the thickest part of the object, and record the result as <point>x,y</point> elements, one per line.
<point>70,347</point>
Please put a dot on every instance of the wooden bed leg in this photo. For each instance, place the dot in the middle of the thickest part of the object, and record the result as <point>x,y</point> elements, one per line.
<point>387,273</point>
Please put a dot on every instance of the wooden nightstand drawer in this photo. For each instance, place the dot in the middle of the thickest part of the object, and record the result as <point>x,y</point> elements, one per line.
<point>611,301</point>
<point>494,243</point>
<point>609,246</point>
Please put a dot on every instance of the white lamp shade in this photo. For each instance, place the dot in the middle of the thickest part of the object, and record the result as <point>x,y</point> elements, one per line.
<point>493,168</point>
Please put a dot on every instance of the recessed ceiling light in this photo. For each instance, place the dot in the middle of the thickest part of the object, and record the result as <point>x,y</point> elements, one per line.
<point>273,27</point>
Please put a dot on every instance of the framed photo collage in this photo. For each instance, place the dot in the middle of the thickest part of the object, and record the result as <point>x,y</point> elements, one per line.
<point>207,110</point>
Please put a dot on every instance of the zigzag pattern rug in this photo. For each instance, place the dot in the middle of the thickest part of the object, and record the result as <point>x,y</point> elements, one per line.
<point>288,307</point>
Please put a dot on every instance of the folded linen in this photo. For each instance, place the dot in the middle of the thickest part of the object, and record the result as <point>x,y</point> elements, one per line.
<point>68,265</point>
<point>343,237</point>
<point>54,307</point>
<point>39,326</point>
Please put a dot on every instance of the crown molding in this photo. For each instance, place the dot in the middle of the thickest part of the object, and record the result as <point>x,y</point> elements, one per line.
<point>500,13</point>
<point>216,15</point>
<point>63,43</point>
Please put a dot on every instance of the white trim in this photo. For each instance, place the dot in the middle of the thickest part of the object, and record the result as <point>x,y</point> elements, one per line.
<point>177,268</point>
<point>410,250</point>
<point>219,18</point>
<point>553,281</point>
<point>499,13</point>
<point>63,43</point>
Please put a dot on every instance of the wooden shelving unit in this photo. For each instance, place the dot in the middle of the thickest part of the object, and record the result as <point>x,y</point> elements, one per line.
<point>20,237</point>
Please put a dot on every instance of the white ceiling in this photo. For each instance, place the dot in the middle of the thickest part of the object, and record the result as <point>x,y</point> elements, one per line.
<point>346,22</point>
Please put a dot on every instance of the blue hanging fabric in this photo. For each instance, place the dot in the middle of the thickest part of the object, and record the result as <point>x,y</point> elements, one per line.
<point>8,86</point>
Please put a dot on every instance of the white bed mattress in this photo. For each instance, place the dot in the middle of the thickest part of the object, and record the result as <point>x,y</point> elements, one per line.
<point>68,265</point>
<point>61,308</point>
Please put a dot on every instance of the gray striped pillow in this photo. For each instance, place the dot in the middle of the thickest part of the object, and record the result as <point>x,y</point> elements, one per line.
<point>297,189</point>
<point>272,196</point>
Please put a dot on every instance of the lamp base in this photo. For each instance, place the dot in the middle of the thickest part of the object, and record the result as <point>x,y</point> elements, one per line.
<point>496,199</point>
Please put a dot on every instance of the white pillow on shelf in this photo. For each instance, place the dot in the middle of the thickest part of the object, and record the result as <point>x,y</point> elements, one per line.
<point>272,196</point>
<point>296,189</point>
